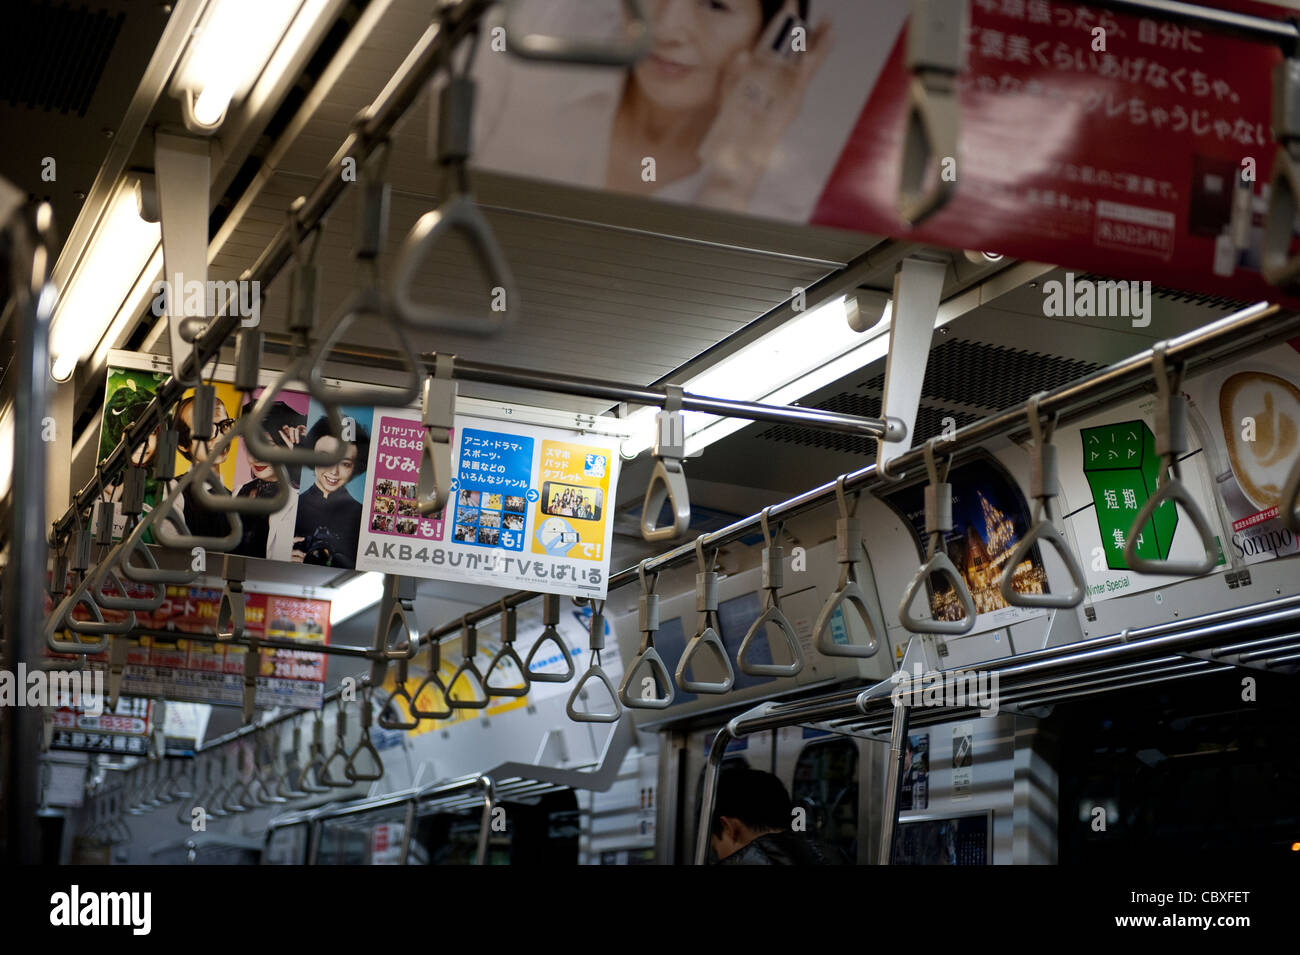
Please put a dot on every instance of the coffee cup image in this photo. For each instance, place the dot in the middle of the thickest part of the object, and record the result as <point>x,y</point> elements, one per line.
<point>1261,465</point>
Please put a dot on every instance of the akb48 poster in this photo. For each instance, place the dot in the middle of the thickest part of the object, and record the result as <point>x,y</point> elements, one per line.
<point>529,506</point>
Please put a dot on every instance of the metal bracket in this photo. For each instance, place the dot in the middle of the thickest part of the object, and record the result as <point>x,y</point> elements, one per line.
<point>668,479</point>
<point>918,287</point>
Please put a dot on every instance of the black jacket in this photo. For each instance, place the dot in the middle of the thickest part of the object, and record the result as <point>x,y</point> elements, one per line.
<point>329,527</point>
<point>785,848</point>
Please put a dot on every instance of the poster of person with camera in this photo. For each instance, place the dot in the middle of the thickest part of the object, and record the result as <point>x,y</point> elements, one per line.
<point>329,513</point>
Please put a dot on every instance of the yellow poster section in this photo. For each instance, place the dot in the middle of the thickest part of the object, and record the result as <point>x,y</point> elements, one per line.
<point>573,497</point>
<point>431,698</point>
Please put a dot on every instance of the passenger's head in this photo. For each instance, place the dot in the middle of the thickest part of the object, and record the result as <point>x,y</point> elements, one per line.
<point>694,44</point>
<point>750,803</point>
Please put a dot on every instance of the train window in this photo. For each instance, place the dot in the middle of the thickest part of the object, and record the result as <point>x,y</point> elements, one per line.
<point>287,845</point>
<point>542,831</point>
<point>826,784</point>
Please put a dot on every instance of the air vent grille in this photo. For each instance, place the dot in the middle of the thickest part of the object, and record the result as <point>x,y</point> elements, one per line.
<point>979,378</point>
<point>55,55</point>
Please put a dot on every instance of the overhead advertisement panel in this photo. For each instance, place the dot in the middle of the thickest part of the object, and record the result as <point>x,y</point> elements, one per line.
<point>531,506</point>
<point>1131,146</point>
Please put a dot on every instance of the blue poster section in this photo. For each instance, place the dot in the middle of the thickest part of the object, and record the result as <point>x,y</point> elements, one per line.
<point>492,489</point>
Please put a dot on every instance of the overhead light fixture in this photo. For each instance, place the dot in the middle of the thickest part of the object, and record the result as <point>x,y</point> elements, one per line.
<point>119,251</point>
<point>6,449</point>
<point>806,353</point>
<point>357,595</point>
<point>229,50</point>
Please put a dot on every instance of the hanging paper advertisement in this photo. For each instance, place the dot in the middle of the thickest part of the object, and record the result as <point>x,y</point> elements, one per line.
<point>211,672</point>
<point>1250,411</point>
<point>989,518</point>
<point>1145,154</point>
<point>1109,470</point>
<point>529,506</point>
<point>125,730</point>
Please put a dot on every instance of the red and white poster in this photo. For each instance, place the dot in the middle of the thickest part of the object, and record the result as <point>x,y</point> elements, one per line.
<point>1130,146</point>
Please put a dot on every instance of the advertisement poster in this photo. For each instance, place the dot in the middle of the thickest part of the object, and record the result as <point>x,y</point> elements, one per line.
<point>1250,412</point>
<point>1128,160</point>
<point>204,672</point>
<point>124,731</point>
<point>1109,469</point>
<point>989,517</point>
<point>916,774</point>
<point>529,506</point>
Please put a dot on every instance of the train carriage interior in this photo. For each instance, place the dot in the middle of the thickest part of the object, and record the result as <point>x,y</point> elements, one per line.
<point>650,432</point>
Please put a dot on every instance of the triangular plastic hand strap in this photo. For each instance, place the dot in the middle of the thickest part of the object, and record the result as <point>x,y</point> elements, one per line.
<point>311,780</point>
<point>477,702</point>
<point>121,601</point>
<point>291,782</point>
<point>401,640</point>
<point>299,373</point>
<point>1174,491</point>
<point>150,574</point>
<point>708,639</point>
<point>1289,505</point>
<point>170,529</point>
<point>507,652</point>
<point>400,693</point>
<point>328,776</point>
<point>934,57</point>
<point>366,304</point>
<point>550,634</point>
<point>938,564</point>
<point>461,213</point>
<point>1044,530</point>
<point>364,745</point>
<point>772,616</point>
<point>594,672</point>
<point>1276,262</point>
<point>228,503</point>
<point>61,618</point>
<point>667,483</point>
<point>632,691</point>
<point>851,594</point>
<point>432,679</point>
<point>626,51</point>
<point>509,624</point>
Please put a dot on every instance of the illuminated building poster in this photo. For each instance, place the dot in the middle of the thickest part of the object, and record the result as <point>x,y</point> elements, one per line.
<point>989,517</point>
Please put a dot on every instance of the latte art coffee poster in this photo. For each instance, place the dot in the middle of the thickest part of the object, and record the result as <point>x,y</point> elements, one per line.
<point>1251,413</point>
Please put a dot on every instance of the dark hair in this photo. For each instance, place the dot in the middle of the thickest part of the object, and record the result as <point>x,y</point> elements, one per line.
<point>278,416</point>
<point>321,429</point>
<point>772,7</point>
<point>756,798</point>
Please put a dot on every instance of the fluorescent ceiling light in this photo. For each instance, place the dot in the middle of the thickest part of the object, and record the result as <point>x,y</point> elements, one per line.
<point>6,449</point>
<point>231,47</point>
<point>358,594</point>
<point>121,246</point>
<point>806,353</point>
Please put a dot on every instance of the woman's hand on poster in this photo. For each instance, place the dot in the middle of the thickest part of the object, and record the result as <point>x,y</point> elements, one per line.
<point>763,94</point>
<point>291,435</point>
<point>298,556</point>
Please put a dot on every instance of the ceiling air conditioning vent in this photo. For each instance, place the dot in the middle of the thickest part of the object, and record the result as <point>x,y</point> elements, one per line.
<point>54,55</point>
